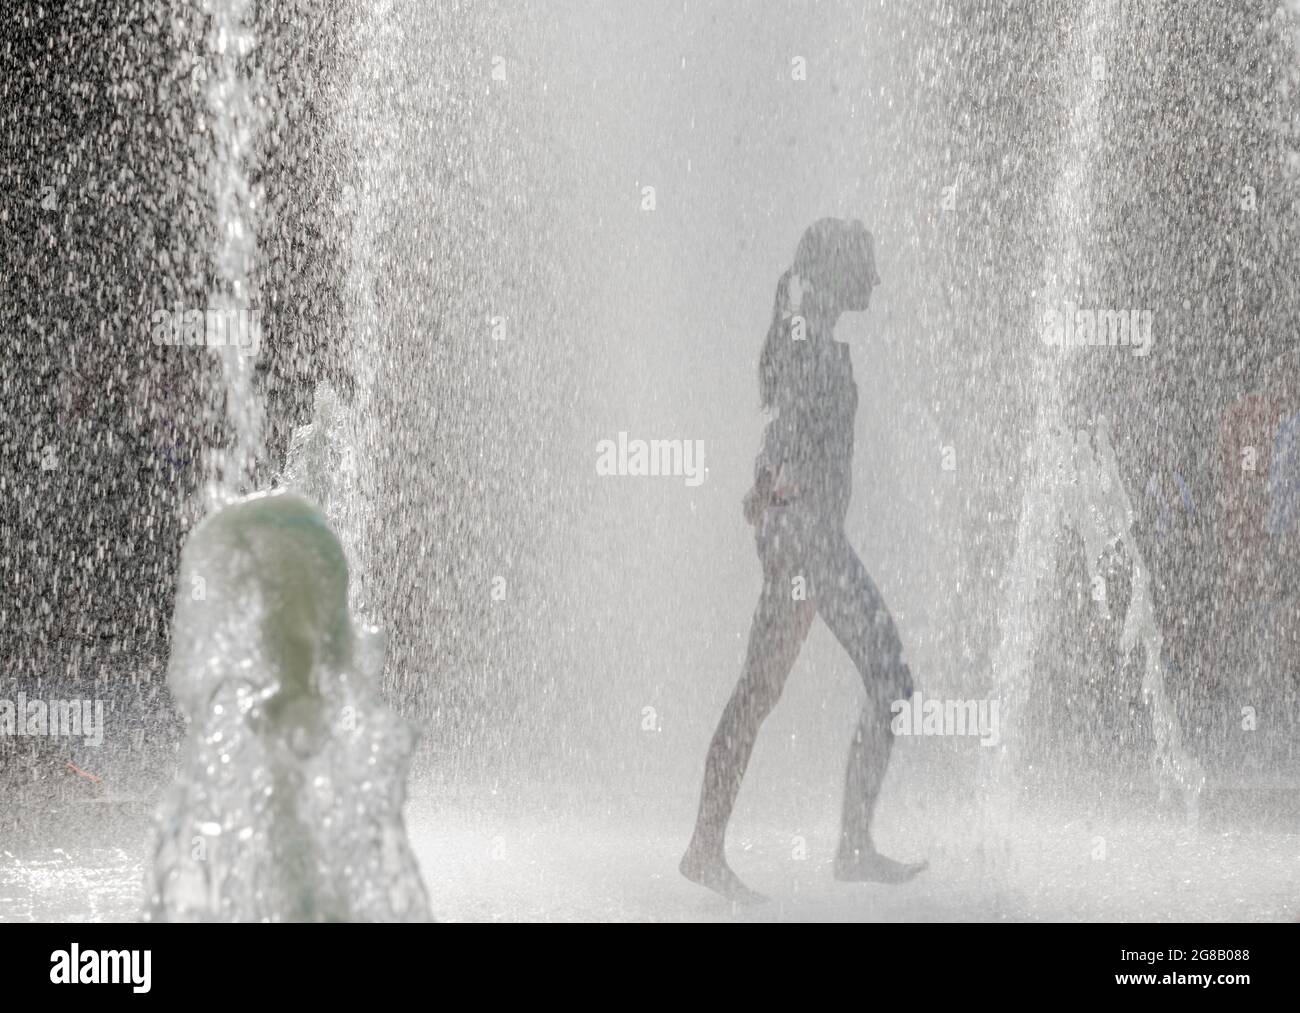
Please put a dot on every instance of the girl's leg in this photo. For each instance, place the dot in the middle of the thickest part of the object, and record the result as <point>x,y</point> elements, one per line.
<point>778,630</point>
<point>852,606</point>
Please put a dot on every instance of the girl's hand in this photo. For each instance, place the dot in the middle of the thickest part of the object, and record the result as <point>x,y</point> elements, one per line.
<point>767,493</point>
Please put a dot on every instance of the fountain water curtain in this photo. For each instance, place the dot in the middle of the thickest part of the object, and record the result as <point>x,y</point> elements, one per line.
<point>1074,481</point>
<point>327,458</point>
<point>232,107</point>
<point>288,801</point>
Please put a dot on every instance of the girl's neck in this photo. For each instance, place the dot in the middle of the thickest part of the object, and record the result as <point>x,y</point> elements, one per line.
<point>821,322</point>
<point>822,314</point>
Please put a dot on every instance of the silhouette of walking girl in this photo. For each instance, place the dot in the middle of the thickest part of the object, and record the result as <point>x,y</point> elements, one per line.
<point>803,481</point>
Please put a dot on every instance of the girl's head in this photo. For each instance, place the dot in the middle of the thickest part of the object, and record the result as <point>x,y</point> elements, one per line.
<point>834,272</point>
<point>836,264</point>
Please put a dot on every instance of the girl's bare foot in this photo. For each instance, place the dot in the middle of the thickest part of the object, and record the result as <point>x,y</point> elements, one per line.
<point>873,867</point>
<point>709,868</point>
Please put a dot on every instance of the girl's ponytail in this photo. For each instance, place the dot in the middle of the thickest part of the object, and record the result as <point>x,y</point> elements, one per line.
<point>773,360</point>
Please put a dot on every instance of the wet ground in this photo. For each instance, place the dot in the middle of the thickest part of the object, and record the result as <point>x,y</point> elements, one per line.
<point>502,860</point>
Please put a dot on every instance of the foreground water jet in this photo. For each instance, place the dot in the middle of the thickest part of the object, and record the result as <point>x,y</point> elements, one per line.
<point>288,801</point>
<point>1076,485</point>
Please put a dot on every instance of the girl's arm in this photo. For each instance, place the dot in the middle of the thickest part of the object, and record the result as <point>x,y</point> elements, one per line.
<point>777,439</point>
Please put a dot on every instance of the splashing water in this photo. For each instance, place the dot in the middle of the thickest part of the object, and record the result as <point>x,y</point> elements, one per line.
<point>1076,486</point>
<point>322,465</point>
<point>287,805</point>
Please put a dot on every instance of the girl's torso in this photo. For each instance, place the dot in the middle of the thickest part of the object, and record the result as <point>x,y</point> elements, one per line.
<point>815,442</point>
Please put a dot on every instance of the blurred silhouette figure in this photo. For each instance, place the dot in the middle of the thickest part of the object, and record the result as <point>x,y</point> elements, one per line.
<point>802,485</point>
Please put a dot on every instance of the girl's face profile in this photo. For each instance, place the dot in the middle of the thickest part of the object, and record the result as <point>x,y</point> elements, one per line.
<point>858,270</point>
